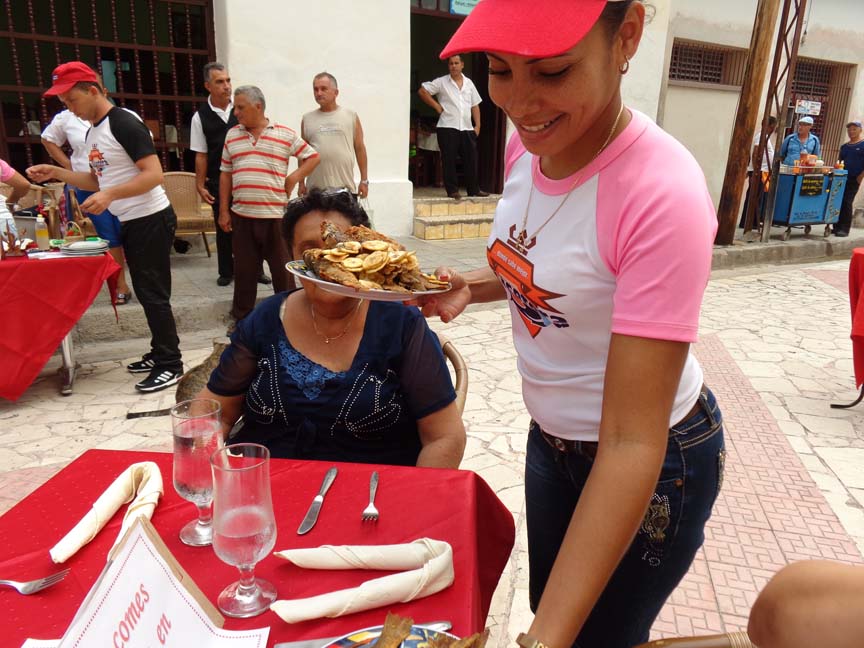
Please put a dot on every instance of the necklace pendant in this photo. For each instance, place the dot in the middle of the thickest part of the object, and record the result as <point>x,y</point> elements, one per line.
<point>326,340</point>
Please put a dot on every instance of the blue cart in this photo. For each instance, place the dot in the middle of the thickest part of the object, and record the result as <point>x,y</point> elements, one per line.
<point>804,200</point>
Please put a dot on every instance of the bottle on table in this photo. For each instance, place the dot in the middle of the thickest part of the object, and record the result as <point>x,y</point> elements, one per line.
<point>43,240</point>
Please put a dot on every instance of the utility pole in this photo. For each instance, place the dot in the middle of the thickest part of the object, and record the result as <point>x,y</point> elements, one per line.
<point>740,147</point>
<point>782,75</point>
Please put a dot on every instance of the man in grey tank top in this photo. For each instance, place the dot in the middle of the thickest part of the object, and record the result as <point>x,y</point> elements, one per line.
<point>335,132</point>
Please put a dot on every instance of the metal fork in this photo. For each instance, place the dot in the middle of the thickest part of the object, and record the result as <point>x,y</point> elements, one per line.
<point>370,513</point>
<point>37,585</point>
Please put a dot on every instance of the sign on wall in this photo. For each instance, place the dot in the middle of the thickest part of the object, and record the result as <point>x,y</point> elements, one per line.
<point>462,7</point>
<point>805,107</point>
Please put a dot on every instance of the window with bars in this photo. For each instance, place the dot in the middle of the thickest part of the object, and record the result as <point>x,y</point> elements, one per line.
<point>709,64</point>
<point>150,54</point>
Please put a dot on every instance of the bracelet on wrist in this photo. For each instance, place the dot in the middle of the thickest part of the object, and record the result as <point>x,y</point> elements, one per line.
<point>527,641</point>
<point>364,182</point>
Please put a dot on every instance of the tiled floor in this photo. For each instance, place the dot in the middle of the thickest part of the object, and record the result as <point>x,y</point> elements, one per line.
<point>775,351</point>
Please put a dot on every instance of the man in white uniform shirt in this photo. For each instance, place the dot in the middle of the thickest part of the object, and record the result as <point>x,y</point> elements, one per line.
<point>126,176</point>
<point>456,100</point>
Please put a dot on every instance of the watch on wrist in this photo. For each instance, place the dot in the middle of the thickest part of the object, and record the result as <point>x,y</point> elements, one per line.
<point>527,641</point>
<point>366,182</point>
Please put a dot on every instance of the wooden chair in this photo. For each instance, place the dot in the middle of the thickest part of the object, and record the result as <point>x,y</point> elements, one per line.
<point>459,367</point>
<point>187,204</point>
<point>731,640</point>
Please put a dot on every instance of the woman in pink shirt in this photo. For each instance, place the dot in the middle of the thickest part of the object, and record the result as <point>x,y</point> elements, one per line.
<point>602,246</point>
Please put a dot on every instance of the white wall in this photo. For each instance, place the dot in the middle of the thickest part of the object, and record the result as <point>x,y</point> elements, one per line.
<point>702,120</point>
<point>280,46</point>
<point>641,87</point>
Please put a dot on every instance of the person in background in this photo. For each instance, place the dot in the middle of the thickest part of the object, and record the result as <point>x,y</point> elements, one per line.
<point>68,129</point>
<point>126,176</point>
<point>336,133</point>
<point>210,123</point>
<point>810,604</point>
<point>457,102</point>
<point>603,258</point>
<point>765,166</point>
<point>852,156</point>
<point>322,376</point>
<point>254,186</point>
<point>20,186</point>
<point>800,141</point>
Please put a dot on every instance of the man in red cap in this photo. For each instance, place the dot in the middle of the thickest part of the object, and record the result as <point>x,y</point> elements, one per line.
<point>126,175</point>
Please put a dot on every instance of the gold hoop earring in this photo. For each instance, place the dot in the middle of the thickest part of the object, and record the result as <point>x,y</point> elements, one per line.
<point>624,68</point>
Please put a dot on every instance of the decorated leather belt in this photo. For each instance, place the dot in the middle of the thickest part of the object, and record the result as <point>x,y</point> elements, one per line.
<point>589,448</point>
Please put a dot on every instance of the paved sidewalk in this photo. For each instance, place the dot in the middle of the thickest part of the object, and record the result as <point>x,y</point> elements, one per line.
<point>775,348</point>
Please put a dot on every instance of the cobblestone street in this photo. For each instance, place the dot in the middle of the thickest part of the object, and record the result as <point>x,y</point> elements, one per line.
<point>776,351</point>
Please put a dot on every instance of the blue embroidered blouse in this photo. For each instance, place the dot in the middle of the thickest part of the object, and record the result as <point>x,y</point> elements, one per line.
<point>368,414</point>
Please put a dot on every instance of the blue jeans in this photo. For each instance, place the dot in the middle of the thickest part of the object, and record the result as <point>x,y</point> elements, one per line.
<point>666,543</point>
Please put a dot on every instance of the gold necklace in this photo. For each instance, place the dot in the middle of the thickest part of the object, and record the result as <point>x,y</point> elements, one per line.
<point>344,331</point>
<point>523,242</point>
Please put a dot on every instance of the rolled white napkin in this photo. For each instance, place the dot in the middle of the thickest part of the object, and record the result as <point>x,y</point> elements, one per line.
<point>140,483</point>
<point>430,562</point>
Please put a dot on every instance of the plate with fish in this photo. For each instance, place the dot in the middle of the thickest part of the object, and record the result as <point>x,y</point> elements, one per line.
<point>360,262</point>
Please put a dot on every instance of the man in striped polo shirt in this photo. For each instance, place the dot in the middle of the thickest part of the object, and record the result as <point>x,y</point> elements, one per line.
<point>255,182</point>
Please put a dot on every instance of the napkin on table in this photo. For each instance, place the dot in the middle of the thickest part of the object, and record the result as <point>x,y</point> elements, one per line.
<point>140,483</point>
<point>431,570</point>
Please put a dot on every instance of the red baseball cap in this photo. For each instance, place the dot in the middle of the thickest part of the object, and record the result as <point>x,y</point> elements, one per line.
<point>538,29</point>
<point>66,75</point>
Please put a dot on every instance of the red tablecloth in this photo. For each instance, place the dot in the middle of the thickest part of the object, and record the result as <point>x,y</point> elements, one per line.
<point>856,292</point>
<point>452,505</point>
<point>40,301</point>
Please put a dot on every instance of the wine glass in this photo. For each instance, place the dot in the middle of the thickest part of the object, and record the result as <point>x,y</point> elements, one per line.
<point>244,529</point>
<point>197,432</point>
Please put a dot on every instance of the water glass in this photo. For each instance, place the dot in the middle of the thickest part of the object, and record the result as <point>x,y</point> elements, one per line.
<point>197,432</point>
<point>244,528</point>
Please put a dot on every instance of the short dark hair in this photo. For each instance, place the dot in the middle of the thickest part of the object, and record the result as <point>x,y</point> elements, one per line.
<point>317,200</point>
<point>772,120</point>
<point>452,56</point>
<point>322,75</point>
<point>614,12</point>
<point>213,65</point>
<point>84,86</point>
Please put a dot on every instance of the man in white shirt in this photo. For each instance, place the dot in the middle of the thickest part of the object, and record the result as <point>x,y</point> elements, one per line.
<point>456,100</point>
<point>765,166</point>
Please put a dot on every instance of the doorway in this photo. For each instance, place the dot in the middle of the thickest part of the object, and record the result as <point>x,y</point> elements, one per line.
<point>430,31</point>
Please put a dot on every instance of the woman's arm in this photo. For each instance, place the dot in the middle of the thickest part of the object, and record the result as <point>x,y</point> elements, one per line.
<point>474,287</point>
<point>442,434</point>
<point>232,408</point>
<point>642,377</point>
<point>20,187</point>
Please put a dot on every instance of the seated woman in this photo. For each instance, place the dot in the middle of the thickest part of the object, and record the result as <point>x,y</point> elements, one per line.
<point>322,376</point>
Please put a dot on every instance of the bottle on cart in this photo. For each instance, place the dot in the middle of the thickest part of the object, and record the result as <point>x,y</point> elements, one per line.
<point>43,241</point>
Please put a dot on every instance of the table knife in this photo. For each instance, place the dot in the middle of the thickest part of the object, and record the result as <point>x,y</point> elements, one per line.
<point>315,508</point>
<point>438,626</point>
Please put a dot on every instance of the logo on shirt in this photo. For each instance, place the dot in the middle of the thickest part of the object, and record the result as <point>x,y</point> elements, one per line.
<point>97,161</point>
<point>517,274</point>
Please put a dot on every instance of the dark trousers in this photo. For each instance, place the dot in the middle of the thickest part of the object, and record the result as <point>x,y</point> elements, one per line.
<point>453,144</point>
<point>666,543</point>
<point>844,223</point>
<point>224,256</point>
<point>255,240</point>
<point>759,214</point>
<point>147,244</point>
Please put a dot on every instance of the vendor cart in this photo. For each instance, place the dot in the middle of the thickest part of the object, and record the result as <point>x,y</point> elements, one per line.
<point>807,197</point>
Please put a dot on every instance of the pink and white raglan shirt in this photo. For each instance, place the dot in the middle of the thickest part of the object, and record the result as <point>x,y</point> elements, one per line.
<point>628,253</point>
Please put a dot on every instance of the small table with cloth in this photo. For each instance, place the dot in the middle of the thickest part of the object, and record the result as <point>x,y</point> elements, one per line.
<point>455,506</point>
<point>41,300</point>
<point>856,293</point>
